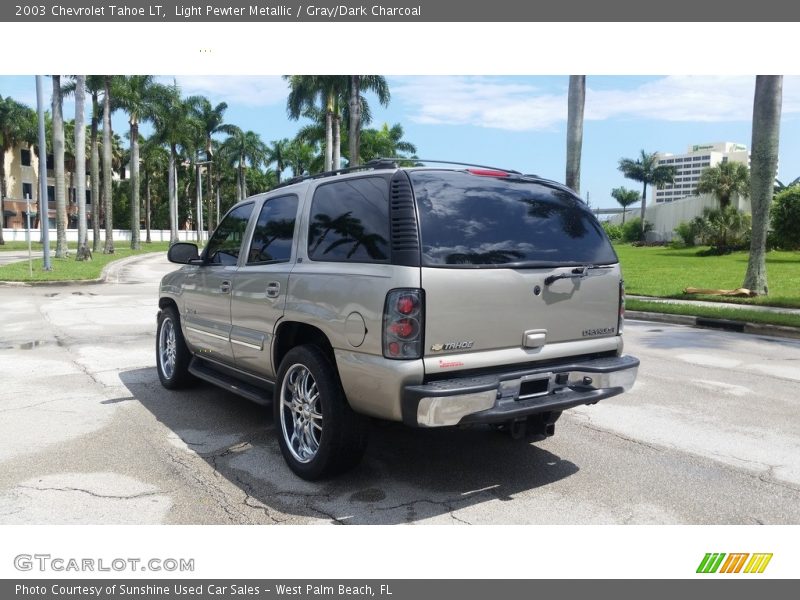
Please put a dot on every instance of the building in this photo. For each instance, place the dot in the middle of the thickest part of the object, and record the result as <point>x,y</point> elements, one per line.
<point>689,165</point>
<point>22,181</point>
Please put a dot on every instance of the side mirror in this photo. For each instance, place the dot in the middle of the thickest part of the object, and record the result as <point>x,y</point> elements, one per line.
<point>182,253</point>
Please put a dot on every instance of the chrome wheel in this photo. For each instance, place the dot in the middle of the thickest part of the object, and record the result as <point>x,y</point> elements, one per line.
<point>301,413</point>
<point>167,348</point>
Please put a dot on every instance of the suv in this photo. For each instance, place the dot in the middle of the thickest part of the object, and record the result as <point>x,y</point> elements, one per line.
<point>432,296</point>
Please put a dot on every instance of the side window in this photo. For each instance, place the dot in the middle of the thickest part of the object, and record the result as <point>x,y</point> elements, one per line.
<point>350,221</point>
<point>223,247</point>
<point>272,237</point>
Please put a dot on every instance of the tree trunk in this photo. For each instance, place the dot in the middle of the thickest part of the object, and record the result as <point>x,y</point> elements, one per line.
<point>147,205</point>
<point>108,248</point>
<point>210,193</point>
<point>623,215</point>
<point>337,142</point>
<point>58,159</point>
<point>355,120</point>
<point>2,194</point>
<point>80,163</point>
<point>328,136</point>
<point>575,104</point>
<point>644,206</point>
<point>136,243</point>
<point>94,170</point>
<point>763,167</point>
<point>173,203</point>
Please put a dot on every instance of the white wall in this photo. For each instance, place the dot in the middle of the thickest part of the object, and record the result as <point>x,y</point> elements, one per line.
<point>123,235</point>
<point>666,216</point>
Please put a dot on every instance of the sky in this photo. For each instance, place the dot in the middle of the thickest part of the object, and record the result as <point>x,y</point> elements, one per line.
<point>518,122</point>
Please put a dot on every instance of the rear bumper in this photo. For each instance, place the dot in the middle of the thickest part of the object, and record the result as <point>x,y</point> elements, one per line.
<point>503,397</point>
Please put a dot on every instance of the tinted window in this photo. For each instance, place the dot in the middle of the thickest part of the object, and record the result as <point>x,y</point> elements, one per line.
<point>350,221</point>
<point>223,247</point>
<point>470,220</point>
<point>272,237</point>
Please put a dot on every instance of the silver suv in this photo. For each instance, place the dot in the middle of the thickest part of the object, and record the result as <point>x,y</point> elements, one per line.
<point>432,296</point>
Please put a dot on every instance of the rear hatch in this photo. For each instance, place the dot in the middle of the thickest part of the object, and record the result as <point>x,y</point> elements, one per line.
<point>511,262</point>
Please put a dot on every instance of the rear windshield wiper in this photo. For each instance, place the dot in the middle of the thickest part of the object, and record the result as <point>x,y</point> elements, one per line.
<point>577,272</point>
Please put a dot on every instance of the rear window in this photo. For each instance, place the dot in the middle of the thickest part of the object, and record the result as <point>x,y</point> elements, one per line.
<point>472,221</point>
<point>349,221</point>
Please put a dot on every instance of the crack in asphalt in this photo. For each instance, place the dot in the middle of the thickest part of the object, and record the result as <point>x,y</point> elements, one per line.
<point>29,405</point>
<point>764,473</point>
<point>216,492</point>
<point>446,504</point>
<point>91,493</point>
<point>589,425</point>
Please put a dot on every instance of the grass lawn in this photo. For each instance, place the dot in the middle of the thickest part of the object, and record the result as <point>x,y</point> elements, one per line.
<point>714,312</point>
<point>64,269</point>
<point>664,272</point>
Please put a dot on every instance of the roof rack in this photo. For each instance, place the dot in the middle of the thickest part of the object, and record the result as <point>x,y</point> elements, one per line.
<point>389,162</point>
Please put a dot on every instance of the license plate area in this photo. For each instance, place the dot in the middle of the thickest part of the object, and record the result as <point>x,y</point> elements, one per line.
<point>532,386</point>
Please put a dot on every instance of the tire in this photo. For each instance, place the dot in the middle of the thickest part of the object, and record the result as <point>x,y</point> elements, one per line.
<point>172,354</point>
<point>319,434</point>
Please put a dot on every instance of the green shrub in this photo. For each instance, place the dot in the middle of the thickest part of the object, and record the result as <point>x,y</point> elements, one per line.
<point>785,219</point>
<point>724,229</point>
<point>613,231</point>
<point>686,232</point>
<point>632,230</point>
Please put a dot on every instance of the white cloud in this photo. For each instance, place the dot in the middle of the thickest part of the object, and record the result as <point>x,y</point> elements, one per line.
<point>479,101</point>
<point>505,104</point>
<point>235,90</point>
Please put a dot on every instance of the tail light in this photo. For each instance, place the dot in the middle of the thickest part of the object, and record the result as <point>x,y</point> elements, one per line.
<point>403,324</point>
<point>621,317</point>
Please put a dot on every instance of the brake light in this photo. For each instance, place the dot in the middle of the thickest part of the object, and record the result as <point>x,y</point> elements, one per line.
<point>487,172</point>
<point>403,324</point>
<point>621,317</point>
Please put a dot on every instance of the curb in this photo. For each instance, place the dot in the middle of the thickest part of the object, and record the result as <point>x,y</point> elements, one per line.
<point>104,274</point>
<point>709,323</point>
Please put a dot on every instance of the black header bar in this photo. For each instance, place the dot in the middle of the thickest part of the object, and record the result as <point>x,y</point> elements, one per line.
<point>198,11</point>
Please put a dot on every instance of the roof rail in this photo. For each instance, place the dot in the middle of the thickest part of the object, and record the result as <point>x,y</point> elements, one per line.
<point>389,162</point>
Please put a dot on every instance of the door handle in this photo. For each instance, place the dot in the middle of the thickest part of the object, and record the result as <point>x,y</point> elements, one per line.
<point>225,287</point>
<point>273,289</point>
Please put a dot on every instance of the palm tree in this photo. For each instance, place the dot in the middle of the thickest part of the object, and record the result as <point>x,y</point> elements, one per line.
<point>724,180</point>
<point>58,159</point>
<point>356,104</point>
<point>137,96</point>
<point>80,165</point>
<point>385,141</point>
<point>305,92</point>
<point>243,147</point>
<point>625,198</point>
<point>299,156</point>
<point>277,152</point>
<point>173,127</point>
<point>575,103</point>
<point>646,170</point>
<point>210,119</point>
<point>15,121</point>
<point>94,85</point>
<point>108,206</point>
<point>763,164</point>
<point>155,160</point>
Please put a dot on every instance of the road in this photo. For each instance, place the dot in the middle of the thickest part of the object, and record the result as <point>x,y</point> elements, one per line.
<point>710,434</point>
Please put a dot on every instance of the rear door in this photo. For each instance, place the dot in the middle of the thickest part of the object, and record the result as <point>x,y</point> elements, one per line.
<point>510,263</point>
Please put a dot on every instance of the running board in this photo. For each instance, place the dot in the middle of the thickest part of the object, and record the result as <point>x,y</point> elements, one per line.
<point>207,372</point>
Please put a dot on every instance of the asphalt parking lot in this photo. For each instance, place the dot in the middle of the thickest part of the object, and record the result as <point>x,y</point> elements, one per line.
<point>710,434</point>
